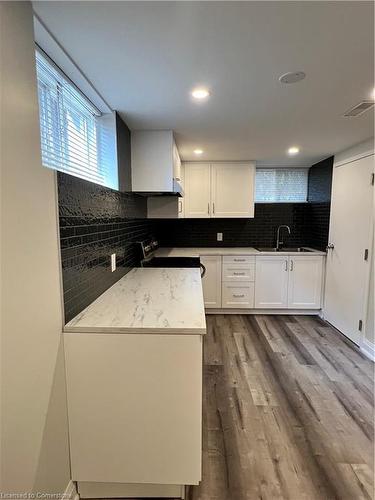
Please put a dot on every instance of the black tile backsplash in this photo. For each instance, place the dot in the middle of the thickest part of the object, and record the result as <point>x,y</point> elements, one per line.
<point>95,222</point>
<point>309,223</point>
<point>258,232</point>
<point>320,181</point>
<point>317,227</point>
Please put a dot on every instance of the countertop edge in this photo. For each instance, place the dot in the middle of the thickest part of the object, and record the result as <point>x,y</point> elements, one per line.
<point>130,330</point>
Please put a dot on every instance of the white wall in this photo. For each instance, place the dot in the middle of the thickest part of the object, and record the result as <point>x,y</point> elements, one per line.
<point>34,447</point>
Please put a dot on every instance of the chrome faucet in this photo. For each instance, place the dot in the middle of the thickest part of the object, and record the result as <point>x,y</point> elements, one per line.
<point>278,242</point>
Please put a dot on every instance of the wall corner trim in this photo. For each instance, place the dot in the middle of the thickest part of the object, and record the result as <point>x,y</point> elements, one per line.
<point>368,349</point>
<point>71,492</point>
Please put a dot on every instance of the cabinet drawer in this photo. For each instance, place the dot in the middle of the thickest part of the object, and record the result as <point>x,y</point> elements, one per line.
<point>238,272</point>
<point>239,259</point>
<point>238,295</point>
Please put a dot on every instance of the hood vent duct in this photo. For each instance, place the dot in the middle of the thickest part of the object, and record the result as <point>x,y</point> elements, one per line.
<point>359,109</point>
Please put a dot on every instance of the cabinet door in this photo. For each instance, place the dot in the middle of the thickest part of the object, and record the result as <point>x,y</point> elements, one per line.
<point>212,280</point>
<point>305,282</point>
<point>271,282</point>
<point>176,163</point>
<point>232,189</point>
<point>197,190</point>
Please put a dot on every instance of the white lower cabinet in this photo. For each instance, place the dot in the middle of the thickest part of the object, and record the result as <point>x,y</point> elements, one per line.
<point>271,282</point>
<point>136,418</point>
<point>288,282</point>
<point>211,281</point>
<point>305,282</point>
<point>263,282</point>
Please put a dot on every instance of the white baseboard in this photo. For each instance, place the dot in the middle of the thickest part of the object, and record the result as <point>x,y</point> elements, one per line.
<point>294,312</point>
<point>368,349</point>
<point>71,492</point>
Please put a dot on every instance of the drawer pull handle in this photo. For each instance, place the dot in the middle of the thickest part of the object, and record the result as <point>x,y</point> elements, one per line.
<point>239,260</point>
<point>239,274</point>
<point>237,296</point>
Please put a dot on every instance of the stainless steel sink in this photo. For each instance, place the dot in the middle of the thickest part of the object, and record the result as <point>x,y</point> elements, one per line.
<point>285,249</point>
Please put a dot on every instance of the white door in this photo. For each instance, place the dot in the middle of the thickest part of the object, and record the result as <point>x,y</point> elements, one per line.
<point>232,189</point>
<point>197,190</point>
<point>305,282</point>
<point>271,282</point>
<point>349,233</point>
<point>212,281</point>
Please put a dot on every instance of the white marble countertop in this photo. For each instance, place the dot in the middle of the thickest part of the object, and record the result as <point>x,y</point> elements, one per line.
<point>147,300</point>
<point>197,251</point>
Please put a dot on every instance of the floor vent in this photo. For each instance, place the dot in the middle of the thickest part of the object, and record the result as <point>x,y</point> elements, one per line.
<point>359,109</point>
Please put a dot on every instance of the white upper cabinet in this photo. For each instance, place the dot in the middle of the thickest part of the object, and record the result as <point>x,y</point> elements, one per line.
<point>271,282</point>
<point>176,163</point>
<point>219,190</point>
<point>305,282</point>
<point>155,161</point>
<point>232,189</point>
<point>197,189</point>
<point>167,207</point>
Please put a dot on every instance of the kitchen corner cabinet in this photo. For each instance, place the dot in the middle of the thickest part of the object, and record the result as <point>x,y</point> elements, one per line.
<point>211,281</point>
<point>288,282</point>
<point>219,190</point>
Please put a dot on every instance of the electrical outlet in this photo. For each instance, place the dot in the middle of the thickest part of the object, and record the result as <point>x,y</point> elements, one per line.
<point>113,262</point>
<point>219,236</point>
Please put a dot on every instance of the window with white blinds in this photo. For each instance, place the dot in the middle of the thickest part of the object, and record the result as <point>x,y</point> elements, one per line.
<point>281,185</point>
<point>75,137</point>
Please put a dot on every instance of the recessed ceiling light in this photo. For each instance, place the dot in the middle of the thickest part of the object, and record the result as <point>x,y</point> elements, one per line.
<point>198,151</point>
<point>293,150</point>
<point>200,93</point>
<point>292,77</point>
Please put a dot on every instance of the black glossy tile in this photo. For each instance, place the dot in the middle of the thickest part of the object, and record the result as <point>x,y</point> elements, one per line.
<point>94,223</point>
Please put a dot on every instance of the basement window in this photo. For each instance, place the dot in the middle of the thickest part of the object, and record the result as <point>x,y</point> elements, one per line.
<point>281,185</point>
<point>76,138</point>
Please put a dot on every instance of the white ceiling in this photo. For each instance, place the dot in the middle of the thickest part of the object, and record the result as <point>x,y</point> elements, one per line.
<point>145,57</point>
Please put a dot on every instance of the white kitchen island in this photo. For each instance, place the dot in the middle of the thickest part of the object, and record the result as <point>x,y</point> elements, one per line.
<point>134,386</point>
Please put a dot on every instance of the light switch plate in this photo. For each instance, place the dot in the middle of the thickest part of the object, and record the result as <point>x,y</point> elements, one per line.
<point>113,262</point>
<point>219,236</point>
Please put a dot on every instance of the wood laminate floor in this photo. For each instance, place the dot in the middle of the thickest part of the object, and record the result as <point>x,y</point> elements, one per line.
<point>287,412</point>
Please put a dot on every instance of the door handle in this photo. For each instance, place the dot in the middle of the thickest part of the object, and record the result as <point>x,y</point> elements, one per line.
<point>286,265</point>
<point>208,208</point>
<point>291,265</point>
<point>203,269</point>
<point>330,246</point>
<point>213,207</point>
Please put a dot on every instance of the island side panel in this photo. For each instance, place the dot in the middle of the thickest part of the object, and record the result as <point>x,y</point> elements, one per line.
<point>135,407</point>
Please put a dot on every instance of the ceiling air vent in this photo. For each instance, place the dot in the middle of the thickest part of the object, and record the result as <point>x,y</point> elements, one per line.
<point>359,109</point>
